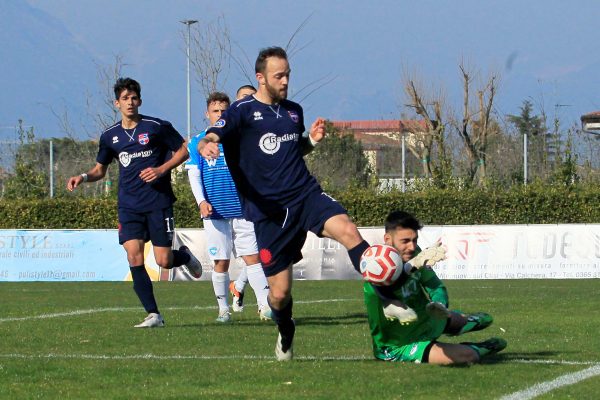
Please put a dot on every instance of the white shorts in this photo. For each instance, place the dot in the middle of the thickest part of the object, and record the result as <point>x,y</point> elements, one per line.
<point>227,236</point>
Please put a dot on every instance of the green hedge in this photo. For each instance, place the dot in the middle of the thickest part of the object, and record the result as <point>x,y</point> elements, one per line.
<point>522,205</point>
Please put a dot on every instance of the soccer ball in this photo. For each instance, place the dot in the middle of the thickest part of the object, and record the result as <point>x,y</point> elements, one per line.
<point>381,265</point>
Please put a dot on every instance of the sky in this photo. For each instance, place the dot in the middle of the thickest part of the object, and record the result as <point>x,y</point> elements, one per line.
<point>544,52</point>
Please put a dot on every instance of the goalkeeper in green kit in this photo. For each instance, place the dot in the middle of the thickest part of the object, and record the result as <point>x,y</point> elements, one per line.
<point>424,296</point>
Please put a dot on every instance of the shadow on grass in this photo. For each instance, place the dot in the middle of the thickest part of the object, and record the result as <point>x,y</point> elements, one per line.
<point>348,319</point>
<point>531,356</point>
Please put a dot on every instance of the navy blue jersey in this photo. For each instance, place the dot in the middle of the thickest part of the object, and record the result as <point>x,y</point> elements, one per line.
<point>149,144</point>
<point>262,147</point>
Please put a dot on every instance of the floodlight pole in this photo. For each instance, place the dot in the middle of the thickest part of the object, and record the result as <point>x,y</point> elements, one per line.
<point>51,169</point>
<point>189,23</point>
<point>525,159</point>
<point>403,163</point>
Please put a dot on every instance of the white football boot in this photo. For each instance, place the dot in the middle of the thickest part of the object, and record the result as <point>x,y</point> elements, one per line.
<point>153,320</point>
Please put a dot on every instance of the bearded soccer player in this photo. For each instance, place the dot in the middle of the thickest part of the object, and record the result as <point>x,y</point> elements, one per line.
<point>226,231</point>
<point>263,144</point>
<point>147,149</point>
<point>425,293</point>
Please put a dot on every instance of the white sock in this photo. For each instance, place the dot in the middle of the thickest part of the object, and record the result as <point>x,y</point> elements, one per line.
<point>220,282</point>
<point>242,280</point>
<point>258,282</point>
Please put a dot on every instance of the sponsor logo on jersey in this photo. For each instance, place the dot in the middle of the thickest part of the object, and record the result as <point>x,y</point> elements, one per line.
<point>213,161</point>
<point>270,143</point>
<point>143,139</point>
<point>213,250</point>
<point>115,139</point>
<point>219,124</point>
<point>414,349</point>
<point>294,116</point>
<point>125,158</point>
<point>257,116</point>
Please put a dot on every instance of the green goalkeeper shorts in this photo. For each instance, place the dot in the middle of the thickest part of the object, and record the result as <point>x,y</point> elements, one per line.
<point>416,352</point>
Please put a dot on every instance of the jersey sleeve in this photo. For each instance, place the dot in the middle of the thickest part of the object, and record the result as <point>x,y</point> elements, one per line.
<point>105,153</point>
<point>195,160</point>
<point>170,137</point>
<point>434,286</point>
<point>229,123</point>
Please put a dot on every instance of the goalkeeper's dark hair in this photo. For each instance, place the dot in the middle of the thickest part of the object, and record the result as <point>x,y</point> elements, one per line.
<point>401,219</point>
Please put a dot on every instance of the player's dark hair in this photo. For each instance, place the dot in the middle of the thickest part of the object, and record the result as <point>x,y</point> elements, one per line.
<point>127,84</point>
<point>219,97</point>
<point>261,60</point>
<point>244,87</point>
<point>401,219</point>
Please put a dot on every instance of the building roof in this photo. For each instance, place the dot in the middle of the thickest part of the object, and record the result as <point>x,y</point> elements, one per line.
<point>382,125</point>
<point>375,134</point>
<point>593,116</point>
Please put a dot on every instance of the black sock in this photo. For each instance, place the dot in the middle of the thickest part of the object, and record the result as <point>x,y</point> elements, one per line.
<point>142,285</point>
<point>283,319</point>
<point>180,258</point>
<point>356,252</point>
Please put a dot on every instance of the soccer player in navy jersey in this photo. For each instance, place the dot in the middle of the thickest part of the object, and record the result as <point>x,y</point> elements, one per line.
<point>226,230</point>
<point>147,149</point>
<point>262,140</point>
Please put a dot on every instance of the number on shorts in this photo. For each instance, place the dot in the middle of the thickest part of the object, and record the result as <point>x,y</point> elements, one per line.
<point>170,223</point>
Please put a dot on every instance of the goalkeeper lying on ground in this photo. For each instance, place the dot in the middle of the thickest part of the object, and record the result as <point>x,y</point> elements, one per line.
<point>414,338</point>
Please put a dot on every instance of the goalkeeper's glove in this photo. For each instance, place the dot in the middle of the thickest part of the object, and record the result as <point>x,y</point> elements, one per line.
<point>427,257</point>
<point>394,309</point>
<point>437,310</point>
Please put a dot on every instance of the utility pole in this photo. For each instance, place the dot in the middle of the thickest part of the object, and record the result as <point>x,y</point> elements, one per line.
<point>189,23</point>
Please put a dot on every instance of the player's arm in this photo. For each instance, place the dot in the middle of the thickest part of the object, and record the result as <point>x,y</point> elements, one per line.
<point>437,293</point>
<point>316,134</point>
<point>434,286</point>
<point>208,146</point>
<point>194,168</point>
<point>95,174</point>
<point>150,174</point>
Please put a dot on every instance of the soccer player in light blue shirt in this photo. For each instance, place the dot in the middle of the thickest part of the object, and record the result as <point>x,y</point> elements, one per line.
<point>226,230</point>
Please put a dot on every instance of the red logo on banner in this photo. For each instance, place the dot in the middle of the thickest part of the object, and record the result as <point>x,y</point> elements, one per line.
<point>465,245</point>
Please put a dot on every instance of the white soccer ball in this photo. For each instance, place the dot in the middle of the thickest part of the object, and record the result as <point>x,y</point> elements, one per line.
<point>381,265</point>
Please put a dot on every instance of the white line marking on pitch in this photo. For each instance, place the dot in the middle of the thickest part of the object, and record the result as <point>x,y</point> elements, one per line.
<point>121,309</point>
<point>238,357</point>
<point>548,386</point>
<point>177,357</point>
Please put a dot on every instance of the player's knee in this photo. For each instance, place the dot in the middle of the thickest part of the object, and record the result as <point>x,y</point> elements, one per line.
<point>134,259</point>
<point>279,295</point>
<point>351,233</point>
<point>164,261</point>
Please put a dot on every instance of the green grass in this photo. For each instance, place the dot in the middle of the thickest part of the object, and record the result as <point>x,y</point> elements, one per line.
<point>97,354</point>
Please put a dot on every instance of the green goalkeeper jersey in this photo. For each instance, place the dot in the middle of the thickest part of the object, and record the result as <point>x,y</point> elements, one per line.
<point>421,287</point>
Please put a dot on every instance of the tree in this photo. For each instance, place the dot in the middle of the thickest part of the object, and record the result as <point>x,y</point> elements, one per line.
<point>476,124</point>
<point>27,180</point>
<point>211,56</point>
<point>338,161</point>
<point>428,142</point>
<point>532,127</point>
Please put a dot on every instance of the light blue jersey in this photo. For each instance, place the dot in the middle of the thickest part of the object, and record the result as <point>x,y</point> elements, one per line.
<point>216,182</point>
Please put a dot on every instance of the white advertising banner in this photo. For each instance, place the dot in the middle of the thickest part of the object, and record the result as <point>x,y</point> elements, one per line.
<point>566,251</point>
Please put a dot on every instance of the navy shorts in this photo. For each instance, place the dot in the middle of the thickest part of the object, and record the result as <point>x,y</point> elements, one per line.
<point>280,237</point>
<point>156,225</point>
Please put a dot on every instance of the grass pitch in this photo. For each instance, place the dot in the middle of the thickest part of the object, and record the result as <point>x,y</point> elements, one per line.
<point>76,340</point>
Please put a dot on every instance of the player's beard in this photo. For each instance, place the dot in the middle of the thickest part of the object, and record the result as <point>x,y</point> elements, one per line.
<point>276,95</point>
